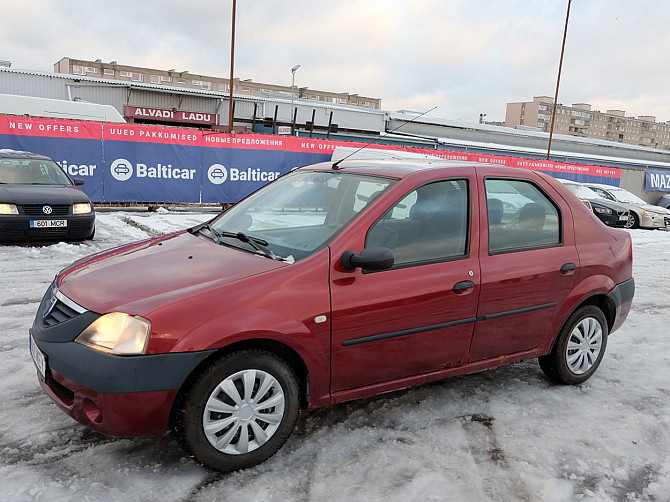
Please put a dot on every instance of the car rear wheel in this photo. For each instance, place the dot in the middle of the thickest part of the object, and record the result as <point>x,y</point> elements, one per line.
<point>240,410</point>
<point>579,348</point>
<point>633,221</point>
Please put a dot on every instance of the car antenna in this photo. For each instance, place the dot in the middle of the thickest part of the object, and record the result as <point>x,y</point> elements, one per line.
<point>336,165</point>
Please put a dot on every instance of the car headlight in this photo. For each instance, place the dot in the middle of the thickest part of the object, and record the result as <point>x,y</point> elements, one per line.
<point>117,333</point>
<point>81,208</point>
<point>8,209</point>
<point>603,210</point>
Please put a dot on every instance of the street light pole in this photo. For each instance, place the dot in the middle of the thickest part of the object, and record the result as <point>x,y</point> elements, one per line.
<point>293,70</point>
<point>232,61</point>
<point>558,81</point>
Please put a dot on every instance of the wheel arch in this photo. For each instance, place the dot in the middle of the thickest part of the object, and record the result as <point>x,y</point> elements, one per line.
<point>288,354</point>
<point>600,300</point>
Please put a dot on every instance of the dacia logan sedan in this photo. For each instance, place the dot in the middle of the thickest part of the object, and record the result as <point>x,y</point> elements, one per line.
<point>335,282</point>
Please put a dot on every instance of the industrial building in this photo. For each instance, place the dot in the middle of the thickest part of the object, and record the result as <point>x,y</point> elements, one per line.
<point>186,106</point>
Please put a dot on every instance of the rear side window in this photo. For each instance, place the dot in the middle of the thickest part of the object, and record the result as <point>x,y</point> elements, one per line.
<point>429,224</point>
<point>520,216</point>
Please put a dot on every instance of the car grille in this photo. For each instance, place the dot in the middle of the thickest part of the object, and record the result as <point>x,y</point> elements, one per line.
<point>37,209</point>
<point>59,313</point>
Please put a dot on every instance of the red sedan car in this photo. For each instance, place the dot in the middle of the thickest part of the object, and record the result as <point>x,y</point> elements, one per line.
<point>335,282</point>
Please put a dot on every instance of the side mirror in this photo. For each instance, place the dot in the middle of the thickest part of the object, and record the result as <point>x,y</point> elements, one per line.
<point>372,258</point>
<point>78,182</point>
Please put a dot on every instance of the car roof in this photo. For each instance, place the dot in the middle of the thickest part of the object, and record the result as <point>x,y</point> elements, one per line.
<point>602,185</point>
<point>399,168</point>
<point>19,154</point>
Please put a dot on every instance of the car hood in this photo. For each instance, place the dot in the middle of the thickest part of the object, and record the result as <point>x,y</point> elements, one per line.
<point>606,203</point>
<point>654,209</point>
<point>143,276</point>
<point>40,194</point>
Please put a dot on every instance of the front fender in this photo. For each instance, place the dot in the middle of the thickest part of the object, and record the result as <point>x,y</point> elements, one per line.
<point>309,339</point>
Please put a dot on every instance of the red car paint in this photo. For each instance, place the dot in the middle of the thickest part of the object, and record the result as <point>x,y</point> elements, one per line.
<point>202,296</point>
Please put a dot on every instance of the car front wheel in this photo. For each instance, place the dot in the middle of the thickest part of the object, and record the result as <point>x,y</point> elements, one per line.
<point>633,221</point>
<point>579,347</point>
<point>240,410</point>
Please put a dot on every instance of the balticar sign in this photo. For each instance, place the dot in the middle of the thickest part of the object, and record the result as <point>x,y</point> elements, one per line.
<point>138,113</point>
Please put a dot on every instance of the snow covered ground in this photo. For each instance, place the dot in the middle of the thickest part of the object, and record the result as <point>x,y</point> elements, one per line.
<point>501,435</point>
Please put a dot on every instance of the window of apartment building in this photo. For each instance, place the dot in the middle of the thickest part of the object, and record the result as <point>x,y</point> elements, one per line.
<point>354,102</point>
<point>265,90</point>
<point>246,88</point>
<point>342,101</point>
<point>166,79</point>
<point>365,103</point>
<point>78,70</point>
<point>202,84</point>
<point>107,71</point>
<point>124,74</point>
<point>91,69</point>
<point>155,79</point>
<point>181,81</point>
<point>136,77</point>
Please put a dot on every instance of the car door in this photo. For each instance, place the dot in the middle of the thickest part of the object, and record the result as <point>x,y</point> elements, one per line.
<point>418,316</point>
<point>529,265</point>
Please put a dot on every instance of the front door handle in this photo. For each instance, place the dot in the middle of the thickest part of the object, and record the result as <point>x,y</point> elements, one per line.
<point>463,286</point>
<point>568,267</point>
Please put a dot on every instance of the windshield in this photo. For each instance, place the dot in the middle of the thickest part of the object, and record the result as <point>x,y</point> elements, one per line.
<point>582,192</point>
<point>625,196</point>
<point>32,172</point>
<point>299,213</point>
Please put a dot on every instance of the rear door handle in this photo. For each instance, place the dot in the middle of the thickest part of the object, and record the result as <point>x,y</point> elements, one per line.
<point>463,286</point>
<point>568,267</point>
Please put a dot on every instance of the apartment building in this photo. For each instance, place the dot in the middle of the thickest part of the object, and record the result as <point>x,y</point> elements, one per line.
<point>173,78</point>
<point>580,120</point>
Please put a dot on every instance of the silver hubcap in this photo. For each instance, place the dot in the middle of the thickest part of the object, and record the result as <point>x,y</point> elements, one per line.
<point>243,412</point>
<point>584,345</point>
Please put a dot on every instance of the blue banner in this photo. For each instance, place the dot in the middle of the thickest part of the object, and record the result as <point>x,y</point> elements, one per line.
<point>657,180</point>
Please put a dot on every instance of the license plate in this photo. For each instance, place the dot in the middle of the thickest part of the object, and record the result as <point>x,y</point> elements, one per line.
<point>48,223</point>
<point>623,217</point>
<point>39,358</point>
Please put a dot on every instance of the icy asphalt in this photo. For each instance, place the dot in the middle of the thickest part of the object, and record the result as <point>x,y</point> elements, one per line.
<point>500,435</point>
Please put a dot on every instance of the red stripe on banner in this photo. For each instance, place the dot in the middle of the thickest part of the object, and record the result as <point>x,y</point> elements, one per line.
<point>75,129</point>
<point>50,128</point>
<point>152,134</point>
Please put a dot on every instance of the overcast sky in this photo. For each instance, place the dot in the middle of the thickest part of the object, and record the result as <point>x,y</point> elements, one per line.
<point>464,56</point>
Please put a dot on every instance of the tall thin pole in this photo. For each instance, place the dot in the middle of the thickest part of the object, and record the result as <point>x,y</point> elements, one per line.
<point>232,64</point>
<point>558,81</point>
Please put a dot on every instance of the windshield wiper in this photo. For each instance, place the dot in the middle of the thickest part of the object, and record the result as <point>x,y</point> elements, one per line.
<point>259,245</point>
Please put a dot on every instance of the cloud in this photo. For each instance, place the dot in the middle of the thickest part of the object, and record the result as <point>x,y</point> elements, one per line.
<point>465,57</point>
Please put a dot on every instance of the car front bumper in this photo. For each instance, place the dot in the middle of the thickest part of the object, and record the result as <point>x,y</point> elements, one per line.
<point>654,221</point>
<point>115,395</point>
<point>18,227</point>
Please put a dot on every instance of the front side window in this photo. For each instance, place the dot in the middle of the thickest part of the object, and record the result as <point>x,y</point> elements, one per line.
<point>299,213</point>
<point>520,216</point>
<point>429,224</point>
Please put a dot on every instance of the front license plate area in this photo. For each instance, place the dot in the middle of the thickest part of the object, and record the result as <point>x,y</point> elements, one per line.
<point>38,356</point>
<point>48,223</point>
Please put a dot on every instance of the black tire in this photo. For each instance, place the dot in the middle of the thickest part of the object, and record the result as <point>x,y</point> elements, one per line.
<point>633,220</point>
<point>238,425</point>
<point>579,347</point>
